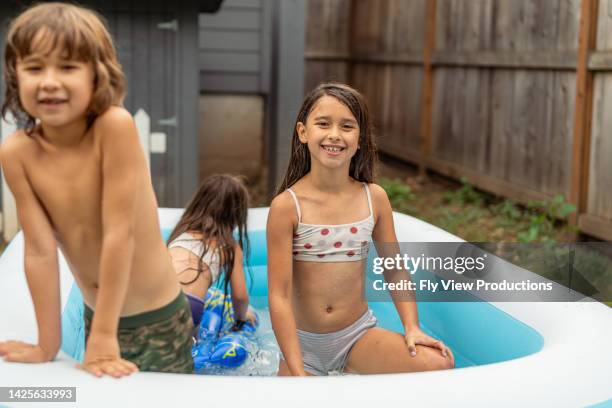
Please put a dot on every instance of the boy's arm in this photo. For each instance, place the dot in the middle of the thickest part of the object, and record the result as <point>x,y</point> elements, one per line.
<point>40,259</point>
<point>123,167</point>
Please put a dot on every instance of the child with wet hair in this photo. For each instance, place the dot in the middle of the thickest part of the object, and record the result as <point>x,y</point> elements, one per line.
<point>81,184</point>
<point>208,243</point>
<point>321,221</point>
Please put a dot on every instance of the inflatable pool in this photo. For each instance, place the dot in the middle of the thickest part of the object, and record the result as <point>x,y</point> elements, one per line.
<point>508,354</point>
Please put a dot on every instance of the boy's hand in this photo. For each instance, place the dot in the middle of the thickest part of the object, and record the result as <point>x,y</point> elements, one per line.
<point>20,352</point>
<point>102,356</point>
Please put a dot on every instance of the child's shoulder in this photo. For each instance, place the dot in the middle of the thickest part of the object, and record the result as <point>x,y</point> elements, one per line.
<point>15,145</point>
<point>283,206</point>
<point>377,191</point>
<point>114,127</point>
<point>282,202</point>
<point>114,113</point>
<point>112,120</point>
<point>379,196</point>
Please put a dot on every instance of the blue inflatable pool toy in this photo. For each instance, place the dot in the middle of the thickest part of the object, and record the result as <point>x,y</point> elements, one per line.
<point>220,342</point>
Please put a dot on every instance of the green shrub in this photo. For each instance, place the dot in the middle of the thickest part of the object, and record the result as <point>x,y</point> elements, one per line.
<point>542,218</point>
<point>466,194</point>
<point>400,195</point>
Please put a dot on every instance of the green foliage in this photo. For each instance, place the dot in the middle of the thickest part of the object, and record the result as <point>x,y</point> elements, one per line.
<point>540,221</point>
<point>465,195</point>
<point>400,195</point>
<point>508,210</point>
<point>455,219</point>
<point>474,215</point>
<point>557,207</point>
<point>542,217</point>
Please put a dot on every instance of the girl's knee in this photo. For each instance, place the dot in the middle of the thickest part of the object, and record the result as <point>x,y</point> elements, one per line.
<point>433,359</point>
<point>446,363</point>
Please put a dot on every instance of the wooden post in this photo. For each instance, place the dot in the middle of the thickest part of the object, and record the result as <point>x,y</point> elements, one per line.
<point>351,36</point>
<point>427,90</point>
<point>143,126</point>
<point>581,148</point>
<point>186,151</point>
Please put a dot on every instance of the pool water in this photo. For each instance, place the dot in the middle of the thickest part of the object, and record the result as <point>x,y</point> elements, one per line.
<point>263,349</point>
<point>477,332</point>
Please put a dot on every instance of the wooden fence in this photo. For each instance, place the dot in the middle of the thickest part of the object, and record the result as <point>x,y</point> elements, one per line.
<point>151,142</point>
<point>512,94</point>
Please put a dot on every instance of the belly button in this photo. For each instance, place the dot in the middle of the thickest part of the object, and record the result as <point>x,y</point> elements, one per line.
<point>95,285</point>
<point>329,309</point>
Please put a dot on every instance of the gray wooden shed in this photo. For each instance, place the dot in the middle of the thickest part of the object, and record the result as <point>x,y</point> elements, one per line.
<point>162,46</point>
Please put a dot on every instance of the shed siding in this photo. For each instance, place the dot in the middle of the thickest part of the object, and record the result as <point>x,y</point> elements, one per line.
<point>232,48</point>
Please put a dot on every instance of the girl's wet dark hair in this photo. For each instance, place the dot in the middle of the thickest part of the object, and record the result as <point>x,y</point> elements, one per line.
<point>219,206</point>
<point>362,163</point>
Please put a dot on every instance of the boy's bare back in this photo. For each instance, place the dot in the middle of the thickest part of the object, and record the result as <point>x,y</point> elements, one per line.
<point>60,185</point>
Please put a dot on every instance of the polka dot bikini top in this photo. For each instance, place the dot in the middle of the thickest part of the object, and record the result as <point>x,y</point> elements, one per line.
<point>332,243</point>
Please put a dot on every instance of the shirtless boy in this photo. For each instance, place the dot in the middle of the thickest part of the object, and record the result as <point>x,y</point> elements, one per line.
<point>81,184</point>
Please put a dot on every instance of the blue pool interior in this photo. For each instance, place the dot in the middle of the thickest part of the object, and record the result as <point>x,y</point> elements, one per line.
<point>477,332</point>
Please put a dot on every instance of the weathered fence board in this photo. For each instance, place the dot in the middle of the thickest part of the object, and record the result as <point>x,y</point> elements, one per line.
<point>600,170</point>
<point>327,34</point>
<point>319,71</point>
<point>599,199</point>
<point>604,25</point>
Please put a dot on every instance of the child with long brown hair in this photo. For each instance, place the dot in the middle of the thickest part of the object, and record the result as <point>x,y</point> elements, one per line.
<point>203,247</point>
<point>317,251</point>
<point>81,183</point>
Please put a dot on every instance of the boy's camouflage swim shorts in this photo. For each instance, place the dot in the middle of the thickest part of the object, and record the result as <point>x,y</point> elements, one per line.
<point>159,340</point>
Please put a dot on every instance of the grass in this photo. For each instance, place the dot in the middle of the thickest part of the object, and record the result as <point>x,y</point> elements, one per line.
<point>476,216</point>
